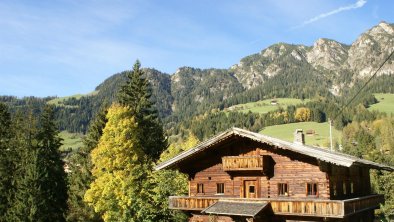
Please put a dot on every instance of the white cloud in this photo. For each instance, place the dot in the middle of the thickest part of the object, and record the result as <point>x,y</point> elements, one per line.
<point>358,4</point>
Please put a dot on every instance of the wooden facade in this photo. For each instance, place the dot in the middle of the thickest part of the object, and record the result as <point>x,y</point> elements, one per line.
<point>295,184</point>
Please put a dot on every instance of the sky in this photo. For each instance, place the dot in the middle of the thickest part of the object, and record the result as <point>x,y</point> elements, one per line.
<point>66,47</point>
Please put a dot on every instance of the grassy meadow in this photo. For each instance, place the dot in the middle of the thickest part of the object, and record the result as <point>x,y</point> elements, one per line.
<point>265,106</point>
<point>385,104</point>
<point>70,140</point>
<point>59,101</point>
<point>319,138</point>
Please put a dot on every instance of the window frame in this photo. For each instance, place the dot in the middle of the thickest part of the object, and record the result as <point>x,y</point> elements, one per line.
<point>280,189</point>
<point>220,187</point>
<point>314,189</point>
<point>344,188</point>
<point>200,188</point>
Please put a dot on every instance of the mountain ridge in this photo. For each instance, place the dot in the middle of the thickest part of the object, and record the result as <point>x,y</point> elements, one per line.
<point>326,68</point>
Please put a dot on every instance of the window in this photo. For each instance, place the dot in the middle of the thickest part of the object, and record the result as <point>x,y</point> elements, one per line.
<point>283,189</point>
<point>220,188</point>
<point>251,189</point>
<point>334,190</point>
<point>344,187</point>
<point>200,188</point>
<point>311,189</point>
<point>351,187</point>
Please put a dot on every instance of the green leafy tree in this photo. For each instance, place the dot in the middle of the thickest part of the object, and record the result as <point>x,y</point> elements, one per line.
<point>80,176</point>
<point>374,141</point>
<point>136,95</point>
<point>165,183</point>
<point>176,148</point>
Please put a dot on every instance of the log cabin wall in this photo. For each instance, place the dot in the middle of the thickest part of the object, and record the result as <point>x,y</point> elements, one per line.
<point>288,168</point>
<point>349,182</point>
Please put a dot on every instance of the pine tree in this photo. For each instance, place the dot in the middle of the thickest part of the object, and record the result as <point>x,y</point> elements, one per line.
<point>39,188</point>
<point>5,163</point>
<point>80,176</point>
<point>29,199</point>
<point>136,95</point>
<point>26,196</point>
<point>54,183</point>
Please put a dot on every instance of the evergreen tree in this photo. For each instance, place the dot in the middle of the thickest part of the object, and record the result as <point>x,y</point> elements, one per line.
<point>136,95</point>
<point>29,199</point>
<point>54,183</point>
<point>5,163</point>
<point>26,196</point>
<point>39,192</point>
<point>80,176</point>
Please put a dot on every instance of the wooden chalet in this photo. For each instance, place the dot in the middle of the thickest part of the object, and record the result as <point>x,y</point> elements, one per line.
<point>239,175</point>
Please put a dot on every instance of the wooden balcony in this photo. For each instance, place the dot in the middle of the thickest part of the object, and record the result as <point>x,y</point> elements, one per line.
<point>292,207</point>
<point>244,163</point>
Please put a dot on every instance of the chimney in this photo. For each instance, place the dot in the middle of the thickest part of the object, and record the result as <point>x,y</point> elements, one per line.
<point>299,137</point>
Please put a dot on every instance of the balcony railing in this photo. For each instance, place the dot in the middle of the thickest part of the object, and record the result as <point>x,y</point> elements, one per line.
<point>362,203</point>
<point>294,207</point>
<point>241,163</point>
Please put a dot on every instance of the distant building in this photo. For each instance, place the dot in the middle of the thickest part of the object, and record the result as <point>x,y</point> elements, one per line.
<point>274,102</point>
<point>244,176</point>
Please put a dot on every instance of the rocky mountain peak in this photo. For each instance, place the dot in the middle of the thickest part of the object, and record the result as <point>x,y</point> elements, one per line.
<point>370,49</point>
<point>327,53</point>
<point>382,28</point>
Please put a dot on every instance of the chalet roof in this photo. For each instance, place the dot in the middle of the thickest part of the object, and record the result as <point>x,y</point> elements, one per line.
<point>235,208</point>
<point>321,154</point>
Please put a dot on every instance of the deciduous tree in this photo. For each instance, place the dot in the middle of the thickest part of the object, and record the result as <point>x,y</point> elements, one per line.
<point>80,177</point>
<point>119,168</point>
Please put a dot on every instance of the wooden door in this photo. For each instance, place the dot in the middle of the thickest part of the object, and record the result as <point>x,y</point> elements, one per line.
<point>250,189</point>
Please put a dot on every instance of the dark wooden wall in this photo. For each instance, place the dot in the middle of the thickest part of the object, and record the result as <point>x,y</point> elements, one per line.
<point>288,167</point>
<point>351,182</point>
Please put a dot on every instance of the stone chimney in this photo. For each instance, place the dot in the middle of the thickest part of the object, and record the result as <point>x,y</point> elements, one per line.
<point>299,137</point>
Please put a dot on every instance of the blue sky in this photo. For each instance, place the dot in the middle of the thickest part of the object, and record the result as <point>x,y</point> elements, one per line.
<point>65,47</point>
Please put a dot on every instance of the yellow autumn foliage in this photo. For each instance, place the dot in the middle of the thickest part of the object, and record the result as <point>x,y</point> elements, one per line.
<point>303,114</point>
<point>117,166</point>
<point>176,148</point>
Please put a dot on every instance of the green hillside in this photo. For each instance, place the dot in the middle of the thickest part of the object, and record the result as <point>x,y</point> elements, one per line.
<point>265,106</point>
<point>71,140</point>
<point>59,101</point>
<point>319,138</point>
<point>385,104</point>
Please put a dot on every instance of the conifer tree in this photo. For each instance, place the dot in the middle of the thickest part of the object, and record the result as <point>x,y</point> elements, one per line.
<point>26,196</point>
<point>5,162</point>
<point>29,199</point>
<point>54,183</point>
<point>136,95</point>
<point>40,191</point>
<point>80,176</point>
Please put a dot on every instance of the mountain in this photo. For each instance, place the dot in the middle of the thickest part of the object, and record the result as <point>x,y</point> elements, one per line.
<point>326,69</point>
